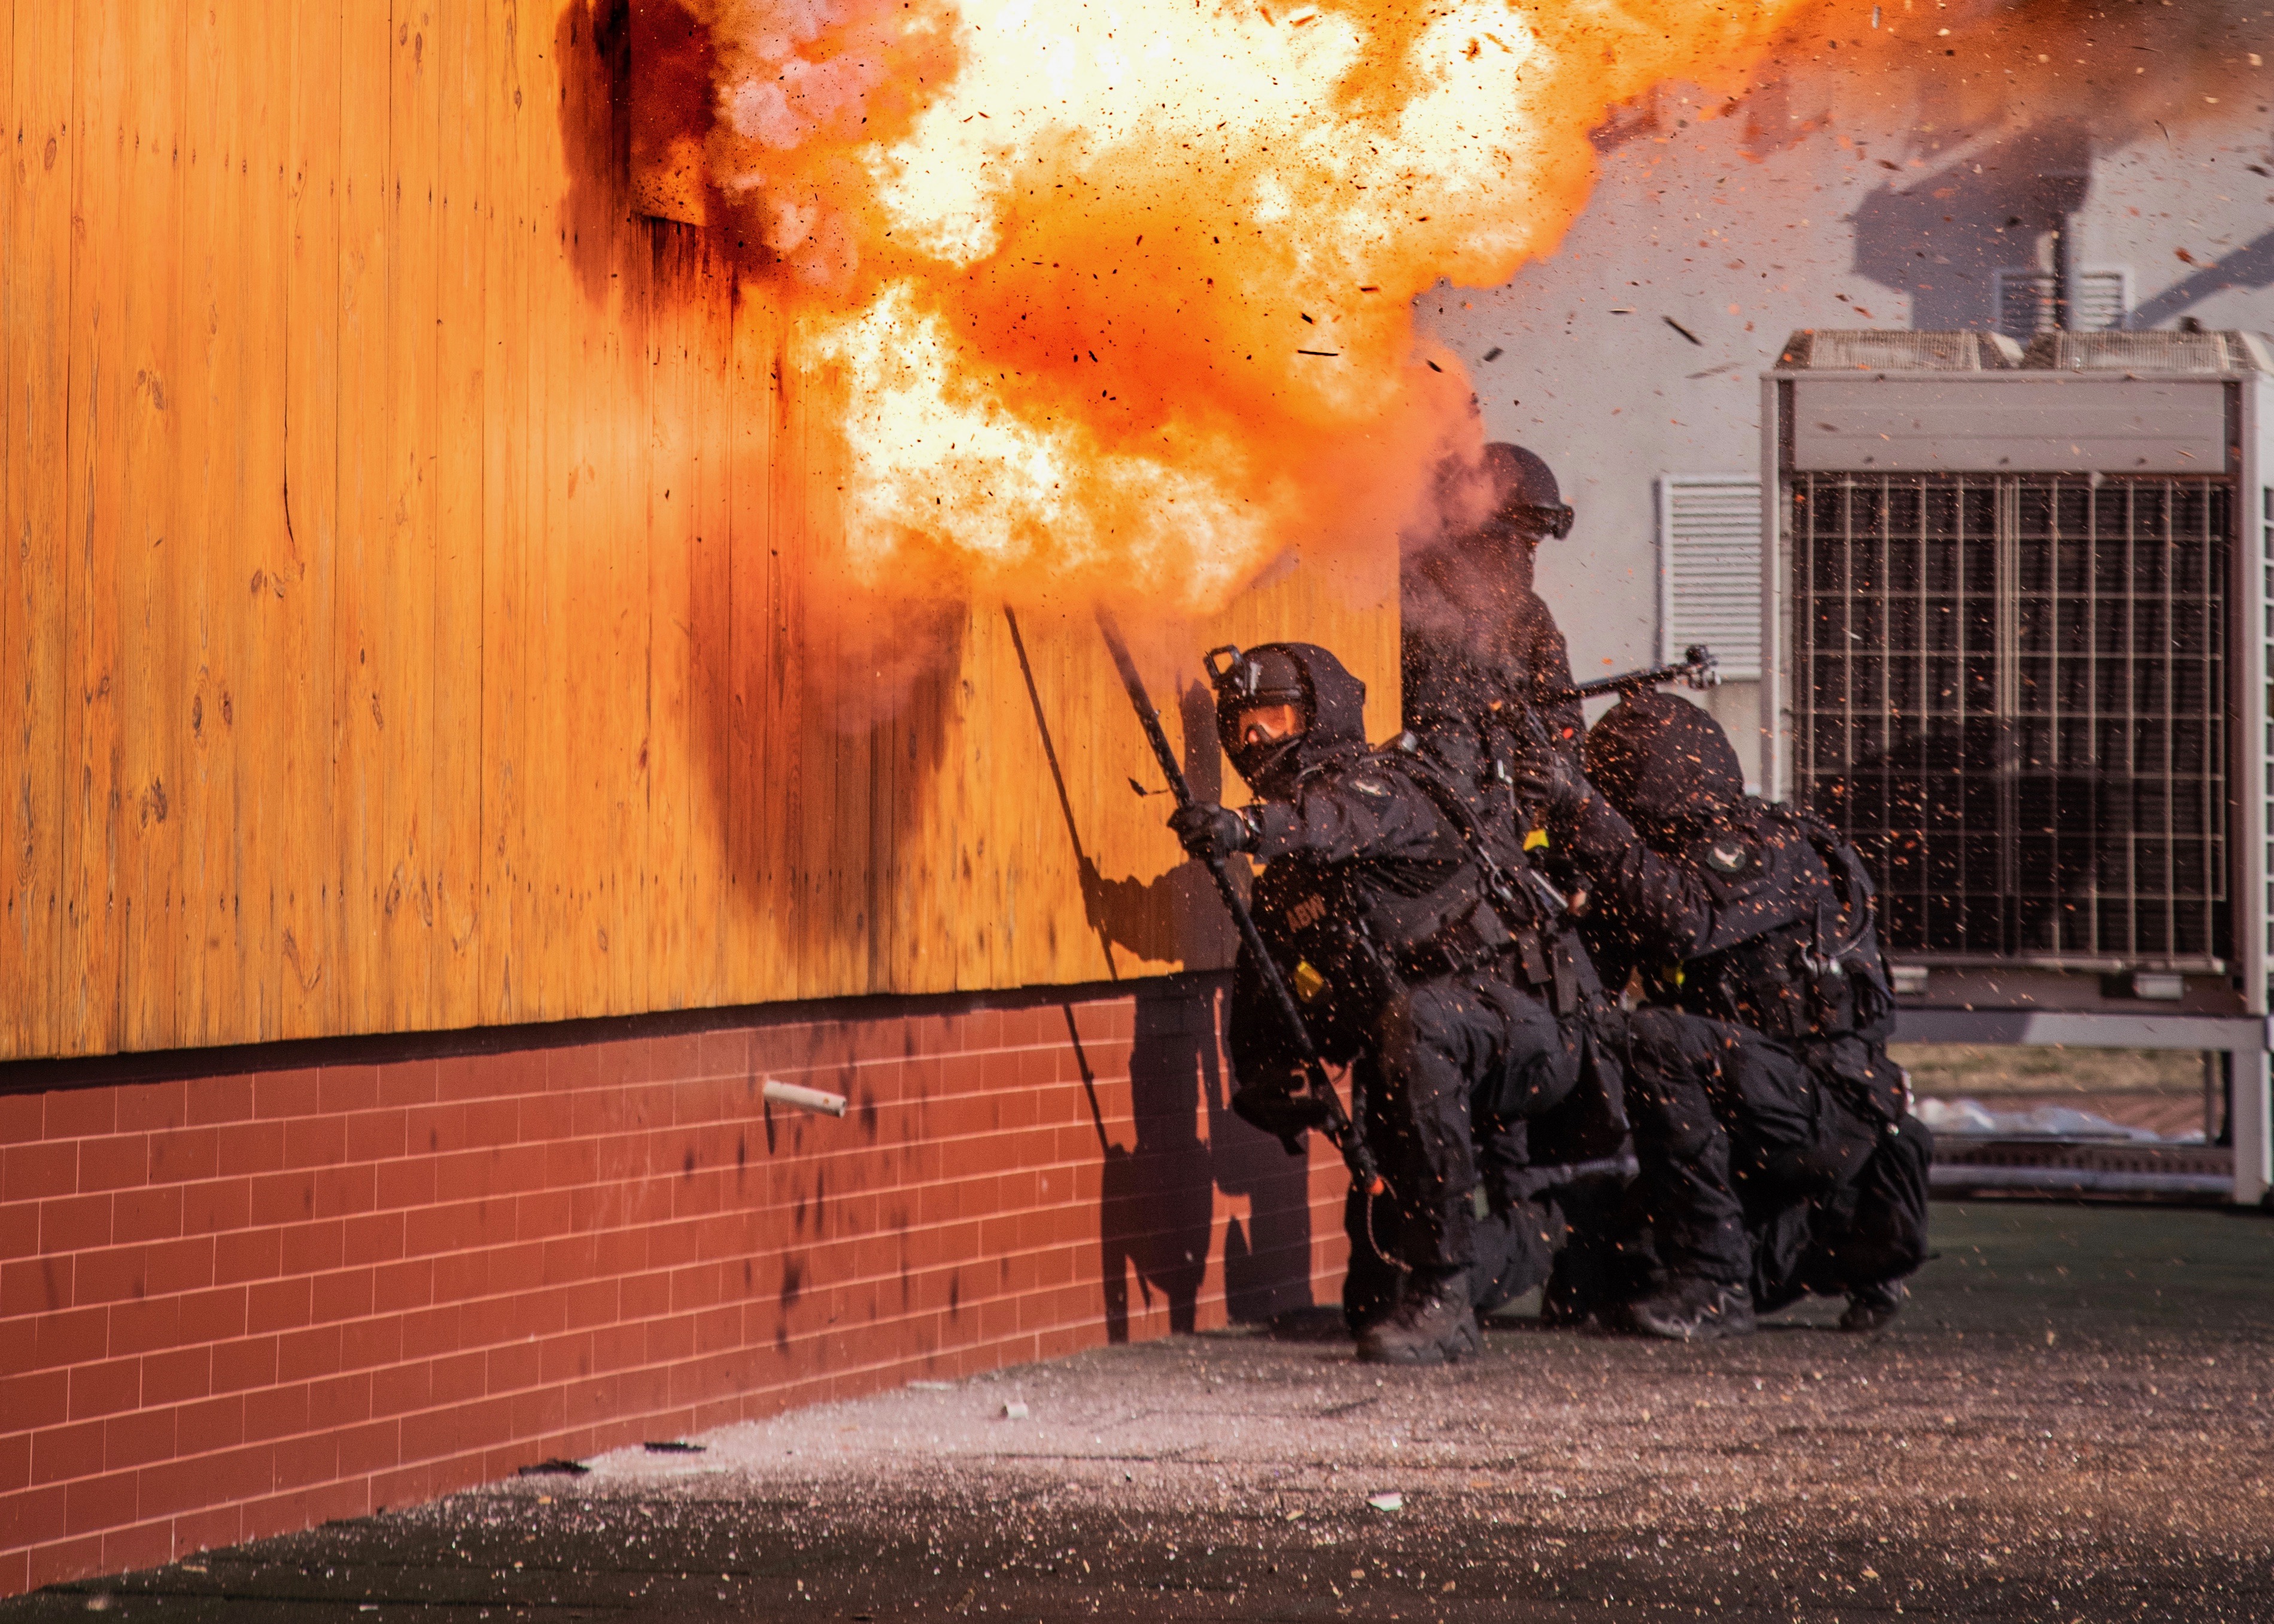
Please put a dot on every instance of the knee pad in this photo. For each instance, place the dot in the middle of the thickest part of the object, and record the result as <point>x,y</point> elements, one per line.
<point>1515,1250</point>
<point>1654,1034</point>
<point>1658,1057</point>
<point>1533,1081</point>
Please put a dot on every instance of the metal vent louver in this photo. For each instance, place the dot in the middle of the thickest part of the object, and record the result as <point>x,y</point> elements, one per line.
<point>1710,569</point>
<point>2028,303</point>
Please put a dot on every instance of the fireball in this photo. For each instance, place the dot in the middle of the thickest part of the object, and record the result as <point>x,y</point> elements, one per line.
<point>1118,295</point>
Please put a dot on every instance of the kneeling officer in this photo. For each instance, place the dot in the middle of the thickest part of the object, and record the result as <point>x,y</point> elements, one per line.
<point>1778,1151</point>
<point>1374,907</point>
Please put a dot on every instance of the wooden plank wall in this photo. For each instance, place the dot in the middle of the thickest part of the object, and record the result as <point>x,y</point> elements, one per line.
<point>412,574</point>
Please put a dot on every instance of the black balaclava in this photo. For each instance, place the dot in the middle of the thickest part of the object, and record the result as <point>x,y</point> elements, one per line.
<point>1303,675</point>
<point>1665,764</point>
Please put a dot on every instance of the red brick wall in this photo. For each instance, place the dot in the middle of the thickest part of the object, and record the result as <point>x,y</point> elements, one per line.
<point>231,1305</point>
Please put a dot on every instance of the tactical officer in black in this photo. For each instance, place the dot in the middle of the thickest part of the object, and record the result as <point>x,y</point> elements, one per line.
<point>1475,633</point>
<point>1379,909</point>
<point>1778,1151</point>
<point>1484,664</point>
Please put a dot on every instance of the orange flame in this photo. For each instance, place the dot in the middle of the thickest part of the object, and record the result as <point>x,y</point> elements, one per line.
<point>1119,291</point>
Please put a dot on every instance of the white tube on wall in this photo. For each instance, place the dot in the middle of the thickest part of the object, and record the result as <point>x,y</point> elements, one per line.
<point>805,1098</point>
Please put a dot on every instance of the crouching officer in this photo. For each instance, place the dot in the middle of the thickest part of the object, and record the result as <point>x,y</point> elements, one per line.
<point>1485,665</point>
<point>1373,906</point>
<point>1778,1150</point>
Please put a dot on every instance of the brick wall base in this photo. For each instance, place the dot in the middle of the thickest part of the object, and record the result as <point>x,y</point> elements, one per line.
<point>232,1306</point>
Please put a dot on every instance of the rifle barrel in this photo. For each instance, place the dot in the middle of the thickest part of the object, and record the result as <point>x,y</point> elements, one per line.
<point>1697,670</point>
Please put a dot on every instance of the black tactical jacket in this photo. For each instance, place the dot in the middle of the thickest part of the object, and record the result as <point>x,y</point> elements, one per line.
<point>1743,921</point>
<point>1369,880</point>
<point>1475,636</point>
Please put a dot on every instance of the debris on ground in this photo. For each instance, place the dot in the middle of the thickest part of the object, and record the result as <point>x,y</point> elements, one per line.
<point>1956,1465</point>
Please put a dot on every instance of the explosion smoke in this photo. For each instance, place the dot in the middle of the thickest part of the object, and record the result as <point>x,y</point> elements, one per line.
<point>1118,294</point>
<point>1119,291</point>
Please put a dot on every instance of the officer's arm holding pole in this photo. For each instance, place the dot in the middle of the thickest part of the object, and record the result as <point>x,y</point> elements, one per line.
<point>1338,1127</point>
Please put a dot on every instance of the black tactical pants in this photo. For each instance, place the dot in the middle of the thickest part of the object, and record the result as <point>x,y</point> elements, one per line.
<point>1757,1173</point>
<point>1451,1051</point>
<point>1515,1245</point>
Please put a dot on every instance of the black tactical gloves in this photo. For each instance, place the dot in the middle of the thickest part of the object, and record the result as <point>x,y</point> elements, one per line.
<point>1548,778</point>
<point>1281,1112</point>
<point>1210,832</point>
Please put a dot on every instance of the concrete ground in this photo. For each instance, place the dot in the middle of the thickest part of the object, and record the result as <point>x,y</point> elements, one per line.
<point>2072,1421</point>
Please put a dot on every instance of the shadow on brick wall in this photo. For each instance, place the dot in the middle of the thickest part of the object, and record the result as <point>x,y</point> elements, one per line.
<point>1158,1197</point>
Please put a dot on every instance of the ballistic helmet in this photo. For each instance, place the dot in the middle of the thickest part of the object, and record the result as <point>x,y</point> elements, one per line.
<point>1329,703</point>
<point>1665,764</point>
<point>1525,495</point>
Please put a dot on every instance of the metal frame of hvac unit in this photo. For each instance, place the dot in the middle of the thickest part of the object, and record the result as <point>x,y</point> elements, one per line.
<point>1936,422</point>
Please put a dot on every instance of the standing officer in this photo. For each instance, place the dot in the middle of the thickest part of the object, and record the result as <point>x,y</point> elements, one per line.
<point>1475,633</point>
<point>1779,1154</point>
<point>1379,907</point>
<point>1483,663</point>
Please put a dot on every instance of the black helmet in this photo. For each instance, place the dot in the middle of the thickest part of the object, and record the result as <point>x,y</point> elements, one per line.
<point>1524,494</point>
<point>1666,764</point>
<point>1302,674</point>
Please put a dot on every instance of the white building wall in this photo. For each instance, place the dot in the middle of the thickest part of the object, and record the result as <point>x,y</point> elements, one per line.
<point>1876,214</point>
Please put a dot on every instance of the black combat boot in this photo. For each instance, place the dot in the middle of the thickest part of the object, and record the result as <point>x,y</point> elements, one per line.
<point>1870,1307</point>
<point>1694,1310</point>
<point>1434,1324</point>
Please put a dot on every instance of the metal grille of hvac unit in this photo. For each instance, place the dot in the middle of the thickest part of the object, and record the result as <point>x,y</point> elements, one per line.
<point>2010,692</point>
<point>2266,562</point>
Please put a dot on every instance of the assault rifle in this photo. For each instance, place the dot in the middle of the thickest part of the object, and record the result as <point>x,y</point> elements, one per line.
<point>1697,669</point>
<point>1339,1128</point>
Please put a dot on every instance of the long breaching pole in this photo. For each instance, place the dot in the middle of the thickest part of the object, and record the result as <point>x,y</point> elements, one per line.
<point>1339,1125</point>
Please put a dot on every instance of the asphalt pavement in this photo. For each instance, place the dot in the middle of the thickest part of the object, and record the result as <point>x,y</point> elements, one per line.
<point>2071,1421</point>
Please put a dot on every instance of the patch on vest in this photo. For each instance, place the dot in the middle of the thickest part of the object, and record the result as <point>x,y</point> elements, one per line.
<point>1375,787</point>
<point>1307,913</point>
<point>1308,982</point>
<point>1730,857</point>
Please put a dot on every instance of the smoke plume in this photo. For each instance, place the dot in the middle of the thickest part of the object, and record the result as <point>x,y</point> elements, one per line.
<point>1117,293</point>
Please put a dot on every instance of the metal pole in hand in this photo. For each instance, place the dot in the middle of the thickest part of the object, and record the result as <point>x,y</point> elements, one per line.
<point>1338,1127</point>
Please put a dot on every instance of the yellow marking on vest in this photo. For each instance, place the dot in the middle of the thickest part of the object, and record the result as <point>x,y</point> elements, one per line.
<point>1536,839</point>
<point>1308,982</point>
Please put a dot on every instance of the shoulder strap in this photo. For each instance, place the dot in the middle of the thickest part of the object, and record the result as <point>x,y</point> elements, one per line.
<point>1839,943</point>
<point>1507,890</point>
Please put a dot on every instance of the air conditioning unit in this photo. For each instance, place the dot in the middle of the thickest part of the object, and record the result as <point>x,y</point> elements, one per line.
<point>2015,644</point>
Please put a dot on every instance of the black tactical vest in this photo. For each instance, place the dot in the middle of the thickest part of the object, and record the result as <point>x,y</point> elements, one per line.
<point>1817,973</point>
<point>1347,934</point>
